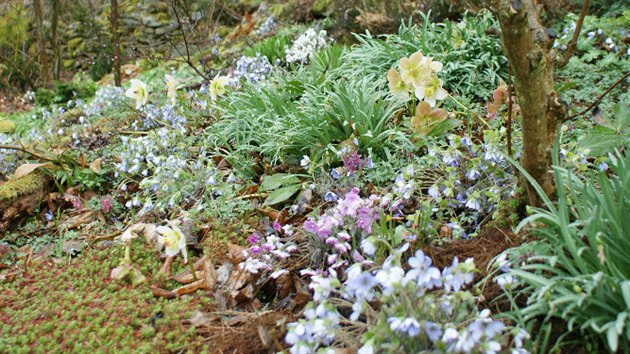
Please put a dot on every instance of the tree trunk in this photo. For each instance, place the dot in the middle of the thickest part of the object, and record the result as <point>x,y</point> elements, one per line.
<point>55,38</point>
<point>115,41</point>
<point>527,47</point>
<point>39,34</point>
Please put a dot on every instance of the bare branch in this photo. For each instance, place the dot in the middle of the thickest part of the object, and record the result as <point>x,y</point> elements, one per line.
<point>576,35</point>
<point>596,102</point>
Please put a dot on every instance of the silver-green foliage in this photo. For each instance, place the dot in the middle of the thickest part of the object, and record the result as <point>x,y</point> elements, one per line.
<point>305,111</point>
<point>580,268</point>
<point>473,60</point>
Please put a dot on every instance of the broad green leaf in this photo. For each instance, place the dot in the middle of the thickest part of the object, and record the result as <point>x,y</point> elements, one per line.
<point>601,144</point>
<point>625,292</point>
<point>622,116</point>
<point>278,180</point>
<point>444,126</point>
<point>281,195</point>
<point>567,86</point>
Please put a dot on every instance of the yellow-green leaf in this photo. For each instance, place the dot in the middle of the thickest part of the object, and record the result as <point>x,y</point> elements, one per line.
<point>6,126</point>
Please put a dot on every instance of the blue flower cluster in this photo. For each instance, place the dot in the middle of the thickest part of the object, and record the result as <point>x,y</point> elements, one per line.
<point>169,172</point>
<point>418,309</point>
<point>252,69</point>
<point>267,27</point>
<point>158,116</point>
<point>462,181</point>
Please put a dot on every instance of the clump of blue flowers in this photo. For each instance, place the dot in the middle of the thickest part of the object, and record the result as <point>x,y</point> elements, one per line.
<point>412,308</point>
<point>168,172</point>
<point>252,69</point>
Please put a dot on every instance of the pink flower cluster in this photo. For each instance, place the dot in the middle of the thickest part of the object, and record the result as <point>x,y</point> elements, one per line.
<point>351,218</point>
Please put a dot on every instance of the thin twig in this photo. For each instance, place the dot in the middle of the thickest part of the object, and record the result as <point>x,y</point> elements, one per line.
<point>185,39</point>
<point>576,34</point>
<point>24,150</point>
<point>509,104</point>
<point>598,98</point>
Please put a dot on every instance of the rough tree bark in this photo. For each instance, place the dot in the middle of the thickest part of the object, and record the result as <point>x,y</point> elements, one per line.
<point>41,46</point>
<point>115,41</point>
<point>527,47</point>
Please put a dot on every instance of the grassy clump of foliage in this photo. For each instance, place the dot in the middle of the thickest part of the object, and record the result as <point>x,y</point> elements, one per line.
<point>579,272</point>
<point>474,63</point>
<point>65,91</point>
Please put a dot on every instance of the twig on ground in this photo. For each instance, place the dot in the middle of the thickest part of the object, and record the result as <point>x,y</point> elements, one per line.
<point>596,102</point>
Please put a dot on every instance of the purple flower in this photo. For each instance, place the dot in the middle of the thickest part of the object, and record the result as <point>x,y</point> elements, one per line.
<point>276,226</point>
<point>350,204</point>
<point>311,226</point>
<point>253,239</point>
<point>433,330</point>
<point>49,215</point>
<point>365,224</point>
<point>330,197</point>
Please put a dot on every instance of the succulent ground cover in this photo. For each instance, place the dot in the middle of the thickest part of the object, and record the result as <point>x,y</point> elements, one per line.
<point>283,190</point>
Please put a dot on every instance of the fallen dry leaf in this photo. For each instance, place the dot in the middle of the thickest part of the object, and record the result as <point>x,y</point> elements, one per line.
<point>79,220</point>
<point>199,319</point>
<point>27,168</point>
<point>95,165</point>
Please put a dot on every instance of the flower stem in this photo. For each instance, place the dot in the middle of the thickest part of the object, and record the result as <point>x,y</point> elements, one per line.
<point>192,270</point>
<point>128,253</point>
<point>467,111</point>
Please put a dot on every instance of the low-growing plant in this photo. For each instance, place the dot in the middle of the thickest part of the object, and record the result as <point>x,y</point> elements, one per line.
<point>578,269</point>
<point>274,48</point>
<point>473,60</point>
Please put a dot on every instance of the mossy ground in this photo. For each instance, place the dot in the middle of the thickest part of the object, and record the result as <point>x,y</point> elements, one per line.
<point>73,306</point>
<point>21,186</point>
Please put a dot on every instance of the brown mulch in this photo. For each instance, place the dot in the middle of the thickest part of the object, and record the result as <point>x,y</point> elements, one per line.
<point>251,333</point>
<point>483,248</point>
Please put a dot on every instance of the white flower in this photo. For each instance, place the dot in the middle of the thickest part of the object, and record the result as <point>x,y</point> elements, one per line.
<point>305,162</point>
<point>306,45</point>
<point>390,279</point>
<point>253,265</point>
<point>217,86</point>
<point>431,91</point>
<point>128,235</point>
<point>368,246</point>
<point>173,239</point>
<point>139,92</point>
<point>171,87</point>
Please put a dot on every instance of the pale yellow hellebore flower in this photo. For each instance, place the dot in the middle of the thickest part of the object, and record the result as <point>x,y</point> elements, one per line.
<point>431,91</point>
<point>217,86</point>
<point>413,70</point>
<point>139,92</point>
<point>173,239</point>
<point>171,87</point>
<point>396,85</point>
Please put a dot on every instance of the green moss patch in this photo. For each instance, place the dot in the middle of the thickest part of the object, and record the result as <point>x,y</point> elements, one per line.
<point>73,306</point>
<point>21,186</point>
